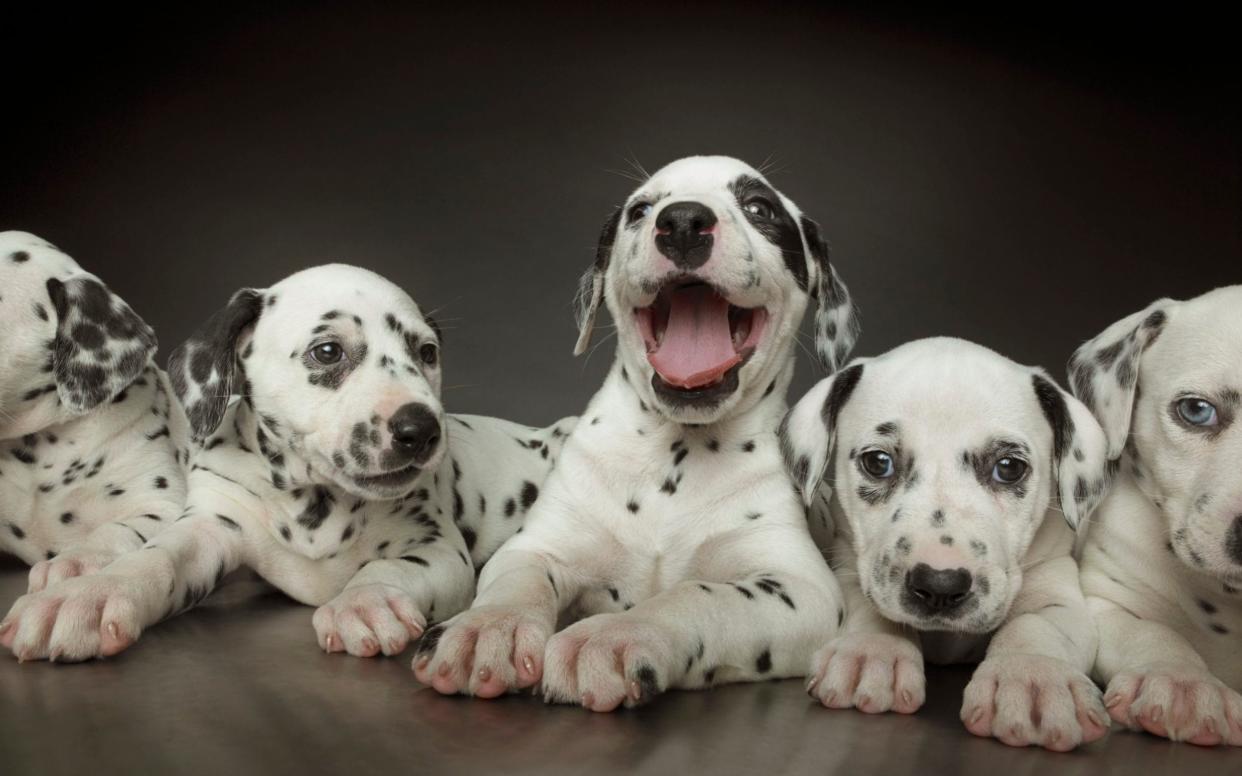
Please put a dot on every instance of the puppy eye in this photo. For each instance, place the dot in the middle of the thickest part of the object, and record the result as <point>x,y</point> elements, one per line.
<point>759,207</point>
<point>878,464</point>
<point>1197,412</point>
<point>327,353</point>
<point>1008,471</point>
<point>639,211</point>
<point>429,354</point>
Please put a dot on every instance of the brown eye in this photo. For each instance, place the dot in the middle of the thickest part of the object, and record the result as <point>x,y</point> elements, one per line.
<point>327,353</point>
<point>759,207</point>
<point>1009,470</point>
<point>429,354</point>
<point>877,464</point>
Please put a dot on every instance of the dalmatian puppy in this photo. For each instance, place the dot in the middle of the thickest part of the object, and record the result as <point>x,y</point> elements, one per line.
<point>325,463</point>
<point>1162,564</point>
<point>89,434</point>
<point>668,534</point>
<point>958,478</point>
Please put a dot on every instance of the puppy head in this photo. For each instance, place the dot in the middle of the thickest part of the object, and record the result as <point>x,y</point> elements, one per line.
<point>1166,383</point>
<point>946,458</point>
<point>707,270</point>
<point>340,366</point>
<point>69,343</point>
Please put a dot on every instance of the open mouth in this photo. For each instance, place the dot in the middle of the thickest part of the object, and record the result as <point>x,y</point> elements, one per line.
<point>390,479</point>
<point>696,339</point>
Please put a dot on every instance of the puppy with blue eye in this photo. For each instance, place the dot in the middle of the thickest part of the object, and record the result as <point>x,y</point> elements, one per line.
<point>1162,563</point>
<point>325,462</point>
<point>958,478</point>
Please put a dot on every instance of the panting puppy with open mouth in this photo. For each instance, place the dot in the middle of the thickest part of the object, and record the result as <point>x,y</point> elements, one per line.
<point>326,463</point>
<point>89,433</point>
<point>1162,565</point>
<point>668,529</point>
<point>958,478</point>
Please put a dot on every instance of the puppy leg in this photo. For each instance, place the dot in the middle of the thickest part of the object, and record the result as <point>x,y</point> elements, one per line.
<point>102,614</point>
<point>388,602</point>
<point>757,610</point>
<point>1157,682</point>
<point>873,665</point>
<point>498,644</point>
<point>104,545</point>
<point>1033,688</point>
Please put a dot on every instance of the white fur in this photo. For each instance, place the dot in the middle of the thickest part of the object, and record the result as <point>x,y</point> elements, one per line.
<point>80,482</point>
<point>946,411</point>
<point>1157,567</point>
<point>276,485</point>
<point>668,536</point>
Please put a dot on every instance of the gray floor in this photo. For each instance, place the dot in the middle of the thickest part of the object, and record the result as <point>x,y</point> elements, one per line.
<point>240,687</point>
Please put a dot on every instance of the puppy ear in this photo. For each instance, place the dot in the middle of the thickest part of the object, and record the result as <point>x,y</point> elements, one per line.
<point>1104,371</point>
<point>591,286</point>
<point>202,369</point>
<point>808,430</point>
<point>837,323</point>
<point>101,344</point>
<point>1079,451</point>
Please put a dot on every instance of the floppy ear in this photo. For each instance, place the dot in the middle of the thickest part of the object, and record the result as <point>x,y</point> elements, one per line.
<point>1104,371</point>
<point>591,286</point>
<point>101,344</point>
<point>202,369</point>
<point>809,429</point>
<point>837,324</point>
<point>1079,451</point>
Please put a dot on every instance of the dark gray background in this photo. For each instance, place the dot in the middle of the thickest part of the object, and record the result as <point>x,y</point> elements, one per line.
<point>1022,182</point>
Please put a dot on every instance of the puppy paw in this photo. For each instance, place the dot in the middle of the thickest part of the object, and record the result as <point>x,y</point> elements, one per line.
<point>1031,700</point>
<point>607,661</point>
<point>78,619</point>
<point>485,652</point>
<point>1178,702</point>
<point>872,672</point>
<point>67,565</point>
<point>368,620</point>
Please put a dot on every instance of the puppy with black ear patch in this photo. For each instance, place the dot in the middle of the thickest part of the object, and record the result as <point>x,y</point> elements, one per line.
<point>958,478</point>
<point>1162,564</point>
<point>668,530</point>
<point>325,462</point>
<point>89,434</point>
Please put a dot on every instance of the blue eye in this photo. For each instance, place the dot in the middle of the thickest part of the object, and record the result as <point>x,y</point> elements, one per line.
<point>1009,470</point>
<point>1197,412</point>
<point>878,464</point>
<point>639,211</point>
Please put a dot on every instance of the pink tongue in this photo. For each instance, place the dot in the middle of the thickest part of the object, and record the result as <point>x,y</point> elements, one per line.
<point>697,348</point>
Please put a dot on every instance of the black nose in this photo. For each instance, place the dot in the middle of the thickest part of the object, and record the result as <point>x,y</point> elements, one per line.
<point>1233,541</point>
<point>683,233</point>
<point>415,431</point>
<point>939,590</point>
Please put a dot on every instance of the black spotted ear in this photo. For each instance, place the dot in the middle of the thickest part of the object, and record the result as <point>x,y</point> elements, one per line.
<point>1104,371</point>
<point>837,323</point>
<point>203,369</point>
<point>591,286</point>
<point>1079,451</point>
<point>101,344</point>
<point>807,432</point>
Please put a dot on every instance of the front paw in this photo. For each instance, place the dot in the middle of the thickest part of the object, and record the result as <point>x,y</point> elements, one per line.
<point>872,672</point>
<point>67,565</point>
<point>1026,700</point>
<point>78,619</point>
<point>1178,702</point>
<point>486,652</point>
<point>367,620</point>
<point>607,660</point>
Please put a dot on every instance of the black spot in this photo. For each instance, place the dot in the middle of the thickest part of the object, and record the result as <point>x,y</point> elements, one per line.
<point>229,522</point>
<point>66,518</point>
<point>19,257</point>
<point>748,446</point>
<point>17,532</point>
<point>763,663</point>
<point>632,506</point>
<point>161,483</point>
<point>529,493</point>
<point>416,560</point>
<point>510,507</point>
<point>470,536</point>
